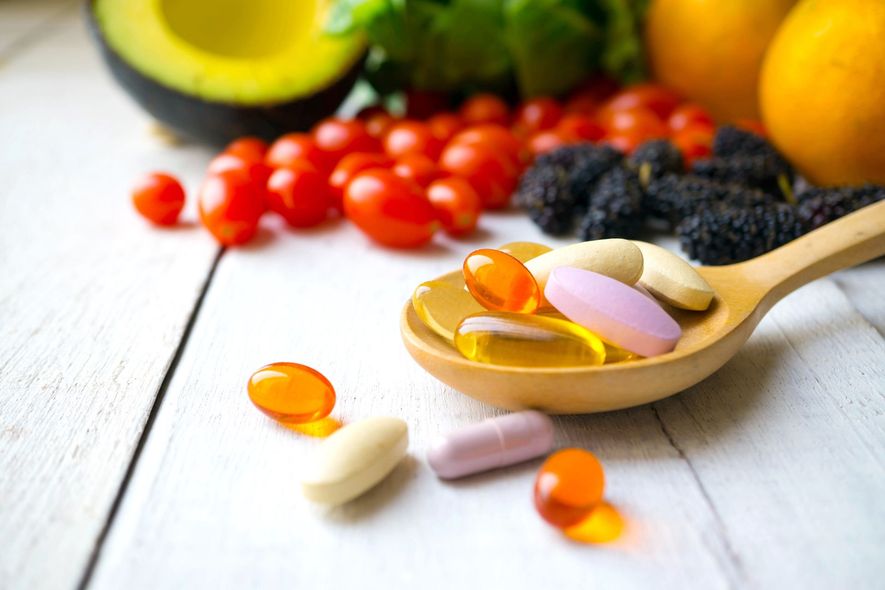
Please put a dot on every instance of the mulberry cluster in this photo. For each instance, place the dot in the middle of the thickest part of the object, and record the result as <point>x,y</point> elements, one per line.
<point>653,159</point>
<point>672,198</point>
<point>819,206</point>
<point>615,207</point>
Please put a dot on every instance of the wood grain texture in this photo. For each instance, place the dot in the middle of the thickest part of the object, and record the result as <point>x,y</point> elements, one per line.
<point>92,302</point>
<point>24,22</point>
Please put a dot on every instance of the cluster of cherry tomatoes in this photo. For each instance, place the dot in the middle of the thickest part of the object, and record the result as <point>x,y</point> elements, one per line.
<point>402,179</point>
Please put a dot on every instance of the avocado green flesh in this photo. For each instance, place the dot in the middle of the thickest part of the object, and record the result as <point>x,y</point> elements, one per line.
<point>247,53</point>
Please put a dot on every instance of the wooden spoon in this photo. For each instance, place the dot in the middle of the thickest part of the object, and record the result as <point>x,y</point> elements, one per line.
<point>744,294</point>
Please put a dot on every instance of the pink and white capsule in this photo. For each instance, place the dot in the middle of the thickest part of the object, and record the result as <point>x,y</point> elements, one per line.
<point>496,442</point>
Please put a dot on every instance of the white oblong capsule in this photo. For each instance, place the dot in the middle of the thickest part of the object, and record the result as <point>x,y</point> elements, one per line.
<point>496,442</point>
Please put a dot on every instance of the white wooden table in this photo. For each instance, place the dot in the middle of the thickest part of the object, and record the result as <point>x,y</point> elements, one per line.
<point>130,456</point>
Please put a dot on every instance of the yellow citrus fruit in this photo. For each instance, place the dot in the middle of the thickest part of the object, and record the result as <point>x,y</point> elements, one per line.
<point>822,90</point>
<point>710,51</point>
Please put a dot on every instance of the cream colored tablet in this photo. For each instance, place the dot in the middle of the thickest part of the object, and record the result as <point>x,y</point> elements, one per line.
<point>673,280</point>
<point>354,459</point>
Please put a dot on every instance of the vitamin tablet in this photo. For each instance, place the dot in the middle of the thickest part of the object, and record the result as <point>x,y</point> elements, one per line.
<point>291,393</point>
<point>441,306</point>
<point>673,280</point>
<point>500,282</point>
<point>523,340</point>
<point>618,313</point>
<point>524,251</point>
<point>500,441</point>
<point>569,485</point>
<point>354,459</point>
<point>615,258</point>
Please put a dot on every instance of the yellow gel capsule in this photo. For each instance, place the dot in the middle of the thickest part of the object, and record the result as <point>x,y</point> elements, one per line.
<point>616,354</point>
<point>523,251</point>
<point>442,306</point>
<point>522,340</point>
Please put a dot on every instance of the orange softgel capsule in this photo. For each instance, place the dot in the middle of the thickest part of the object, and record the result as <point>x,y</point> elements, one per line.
<point>500,282</point>
<point>291,393</point>
<point>569,485</point>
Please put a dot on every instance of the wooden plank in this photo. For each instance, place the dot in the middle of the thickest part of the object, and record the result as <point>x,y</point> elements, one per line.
<point>864,286</point>
<point>23,22</point>
<point>93,302</point>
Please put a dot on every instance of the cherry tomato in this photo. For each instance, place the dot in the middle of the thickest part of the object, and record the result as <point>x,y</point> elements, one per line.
<point>390,209</point>
<point>351,165</point>
<point>421,104</point>
<point>626,141</point>
<point>638,120</point>
<point>657,99</point>
<point>257,170</point>
<point>581,104</point>
<point>575,127</point>
<point>695,143</point>
<point>485,108</point>
<point>444,126</point>
<point>546,141</point>
<point>457,204</point>
<point>230,206</point>
<point>495,137</point>
<point>251,149</point>
<point>689,114</point>
<point>537,114</point>
<point>292,147</point>
<point>599,87</point>
<point>339,137</point>
<point>416,167</point>
<point>159,198</point>
<point>752,126</point>
<point>490,173</point>
<point>376,119</point>
<point>411,137</point>
<point>300,194</point>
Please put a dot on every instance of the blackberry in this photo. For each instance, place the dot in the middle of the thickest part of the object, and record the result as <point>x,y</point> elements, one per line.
<point>819,206</point>
<point>589,165</point>
<point>673,198</point>
<point>722,234</point>
<point>761,172</point>
<point>655,158</point>
<point>615,209</point>
<point>731,141</point>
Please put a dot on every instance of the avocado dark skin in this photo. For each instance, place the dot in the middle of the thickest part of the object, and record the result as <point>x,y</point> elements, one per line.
<point>218,123</point>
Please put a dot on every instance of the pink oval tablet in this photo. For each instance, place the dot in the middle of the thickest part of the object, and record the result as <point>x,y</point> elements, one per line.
<point>615,311</point>
<point>505,440</point>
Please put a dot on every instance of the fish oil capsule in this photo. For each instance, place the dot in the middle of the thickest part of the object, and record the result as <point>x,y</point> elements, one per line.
<point>441,306</point>
<point>524,251</point>
<point>569,485</point>
<point>523,340</point>
<point>501,282</point>
<point>291,393</point>
<point>497,442</point>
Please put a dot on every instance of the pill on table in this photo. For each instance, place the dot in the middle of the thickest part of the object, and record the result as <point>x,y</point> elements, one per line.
<point>617,313</point>
<point>354,459</point>
<point>441,306</point>
<point>615,258</point>
<point>523,340</point>
<point>497,442</point>
<point>673,280</point>
<point>524,251</point>
<point>291,393</point>
<point>500,282</point>
<point>569,485</point>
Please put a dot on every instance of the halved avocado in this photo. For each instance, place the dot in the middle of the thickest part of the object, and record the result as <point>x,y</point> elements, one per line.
<point>221,69</point>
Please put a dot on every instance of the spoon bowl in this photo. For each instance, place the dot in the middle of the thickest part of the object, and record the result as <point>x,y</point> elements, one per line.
<point>745,292</point>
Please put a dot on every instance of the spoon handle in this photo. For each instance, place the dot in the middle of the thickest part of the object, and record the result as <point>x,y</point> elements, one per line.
<point>846,242</point>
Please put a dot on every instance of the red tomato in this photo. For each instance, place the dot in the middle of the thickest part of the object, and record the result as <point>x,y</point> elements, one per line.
<point>230,206</point>
<point>581,104</point>
<point>258,171</point>
<point>689,114</point>
<point>657,99</point>
<point>496,137</point>
<point>626,141</point>
<point>416,167</point>
<point>390,209</point>
<point>159,198</point>
<point>489,172</point>
<point>351,165</point>
<point>300,194</point>
<point>752,126</point>
<point>485,108</point>
<point>456,203</point>
<point>444,126</point>
<point>576,127</point>
<point>376,119</point>
<point>546,141</point>
<point>339,137</point>
<point>538,114</point>
<point>638,120</point>
<point>695,143</point>
<point>421,104</point>
<point>251,149</point>
<point>598,87</point>
<point>292,147</point>
<point>411,137</point>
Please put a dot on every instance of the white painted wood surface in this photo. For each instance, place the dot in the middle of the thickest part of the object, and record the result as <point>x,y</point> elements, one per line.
<point>768,475</point>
